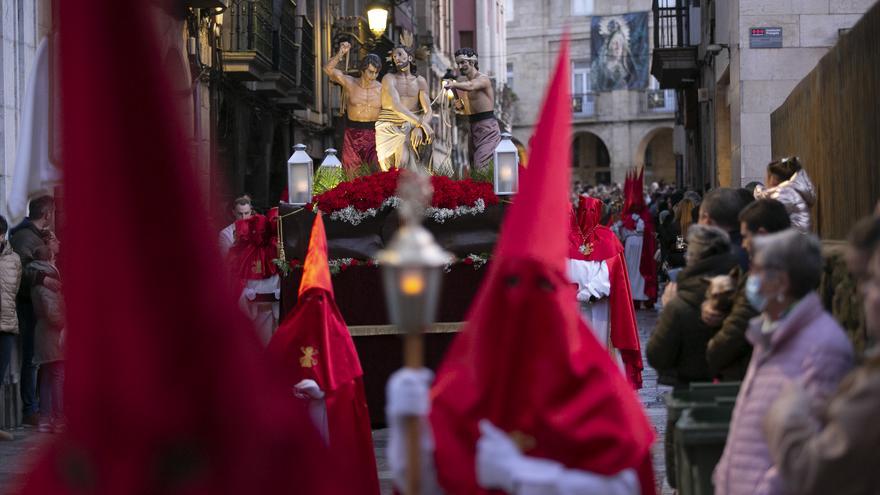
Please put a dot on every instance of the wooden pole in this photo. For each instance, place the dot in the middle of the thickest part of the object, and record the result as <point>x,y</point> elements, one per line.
<point>413,357</point>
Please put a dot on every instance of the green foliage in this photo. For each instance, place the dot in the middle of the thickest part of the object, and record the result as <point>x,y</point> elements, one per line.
<point>327,178</point>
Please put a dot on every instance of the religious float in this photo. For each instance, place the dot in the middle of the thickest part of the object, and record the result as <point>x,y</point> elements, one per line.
<point>361,217</point>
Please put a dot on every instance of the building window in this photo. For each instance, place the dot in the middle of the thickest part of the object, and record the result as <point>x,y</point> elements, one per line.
<point>466,39</point>
<point>581,7</point>
<point>659,100</point>
<point>510,75</point>
<point>583,98</point>
<point>508,10</point>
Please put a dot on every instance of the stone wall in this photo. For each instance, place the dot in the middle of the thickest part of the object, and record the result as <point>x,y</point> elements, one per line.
<point>766,76</point>
<point>831,121</point>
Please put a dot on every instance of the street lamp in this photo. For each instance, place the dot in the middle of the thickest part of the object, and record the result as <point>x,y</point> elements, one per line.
<point>377,16</point>
<point>329,173</point>
<point>506,167</point>
<point>411,268</point>
<point>299,176</point>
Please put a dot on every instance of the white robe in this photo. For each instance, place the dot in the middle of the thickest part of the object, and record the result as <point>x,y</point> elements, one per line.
<point>594,281</point>
<point>633,241</point>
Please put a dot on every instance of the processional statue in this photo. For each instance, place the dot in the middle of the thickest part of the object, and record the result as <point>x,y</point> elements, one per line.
<point>363,102</point>
<point>403,130</point>
<point>478,103</point>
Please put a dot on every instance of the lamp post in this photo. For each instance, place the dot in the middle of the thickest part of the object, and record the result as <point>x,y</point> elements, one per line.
<point>411,269</point>
<point>506,167</point>
<point>299,176</point>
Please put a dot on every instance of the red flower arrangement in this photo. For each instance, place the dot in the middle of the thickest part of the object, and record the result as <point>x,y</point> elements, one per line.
<point>371,192</point>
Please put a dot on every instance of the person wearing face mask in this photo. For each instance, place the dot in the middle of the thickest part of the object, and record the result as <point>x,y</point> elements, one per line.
<point>10,278</point>
<point>795,341</point>
<point>728,351</point>
<point>830,448</point>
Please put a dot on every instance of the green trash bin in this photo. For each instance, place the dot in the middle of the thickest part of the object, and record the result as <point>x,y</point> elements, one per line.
<point>701,433</point>
<point>697,394</point>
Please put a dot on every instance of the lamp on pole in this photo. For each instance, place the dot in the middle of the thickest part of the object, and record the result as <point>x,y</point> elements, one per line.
<point>412,267</point>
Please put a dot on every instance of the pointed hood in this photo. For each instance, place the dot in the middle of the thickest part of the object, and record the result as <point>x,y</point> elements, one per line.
<point>166,388</point>
<point>541,183</point>
<point>313,341</point>
<point>316,271</point>
<point>525,359</point>
<point>587,230</point>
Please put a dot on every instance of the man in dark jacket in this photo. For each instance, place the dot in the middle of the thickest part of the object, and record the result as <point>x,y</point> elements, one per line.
<point>728,352</point>
<point>25,238</point>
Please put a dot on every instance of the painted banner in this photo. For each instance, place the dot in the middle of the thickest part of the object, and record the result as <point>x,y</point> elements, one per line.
<point>620,52</point>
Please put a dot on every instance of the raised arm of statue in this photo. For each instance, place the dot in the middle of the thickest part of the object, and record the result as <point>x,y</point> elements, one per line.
<point>335,74</point>
<point>392,97</point>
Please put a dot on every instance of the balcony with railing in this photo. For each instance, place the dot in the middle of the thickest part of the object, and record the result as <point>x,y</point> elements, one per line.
<point>583,105</point>
<point>248,50</point>
<point>295,57</point>
<point>674,61</point>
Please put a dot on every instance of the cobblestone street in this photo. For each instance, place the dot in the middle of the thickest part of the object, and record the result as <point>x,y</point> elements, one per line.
<point>14,454</point>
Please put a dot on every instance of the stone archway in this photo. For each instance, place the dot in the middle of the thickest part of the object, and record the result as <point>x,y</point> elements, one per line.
<point>655,153</point>
<point>591,159</point>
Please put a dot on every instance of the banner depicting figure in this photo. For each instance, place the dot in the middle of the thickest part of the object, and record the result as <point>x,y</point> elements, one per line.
<point>620,52</point>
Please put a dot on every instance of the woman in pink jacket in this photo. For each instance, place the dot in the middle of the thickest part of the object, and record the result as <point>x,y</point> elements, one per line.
<point>794,340</point>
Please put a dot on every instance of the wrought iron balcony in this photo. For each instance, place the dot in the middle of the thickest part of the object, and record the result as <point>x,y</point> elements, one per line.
<point>583,104</point>
<point>674,61</point>
<point>248,40</point>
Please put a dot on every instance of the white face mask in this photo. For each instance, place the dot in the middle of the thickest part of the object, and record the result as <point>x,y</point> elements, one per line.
<point>753,293</point>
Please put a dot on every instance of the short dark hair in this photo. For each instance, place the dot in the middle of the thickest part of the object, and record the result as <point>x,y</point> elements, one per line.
<point>783,169</point>
<point>468,52</point>
<point>4,225</point>
<point>723,205</point>
<point>747,197</point>
<point>243,200</point>
<point>751,186</point>
<point>865,234</point>
<point>768,214</point>
<point>40,207</point>
<point>370,59</point>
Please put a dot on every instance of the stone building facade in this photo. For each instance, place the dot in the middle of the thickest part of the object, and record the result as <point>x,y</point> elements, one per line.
<point>734,62</point>
<point>613,131</point>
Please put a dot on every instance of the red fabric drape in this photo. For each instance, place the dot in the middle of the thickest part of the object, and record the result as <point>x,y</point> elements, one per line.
<point>167,389</point>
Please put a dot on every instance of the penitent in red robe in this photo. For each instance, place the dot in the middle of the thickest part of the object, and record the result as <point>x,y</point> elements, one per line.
<point>525,359</point>
<point>607,248</point>
<point>314,343</point>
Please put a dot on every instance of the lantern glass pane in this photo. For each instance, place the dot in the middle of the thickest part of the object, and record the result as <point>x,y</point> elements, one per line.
<point>299,185</point>
<point>506,173</point>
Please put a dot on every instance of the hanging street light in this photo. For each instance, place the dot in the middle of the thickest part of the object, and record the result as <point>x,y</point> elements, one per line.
<point>299,176</point>
<point>377,16</point>
<point>506,167</point>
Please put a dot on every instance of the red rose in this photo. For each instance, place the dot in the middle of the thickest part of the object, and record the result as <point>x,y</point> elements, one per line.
<point>468,261</point>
